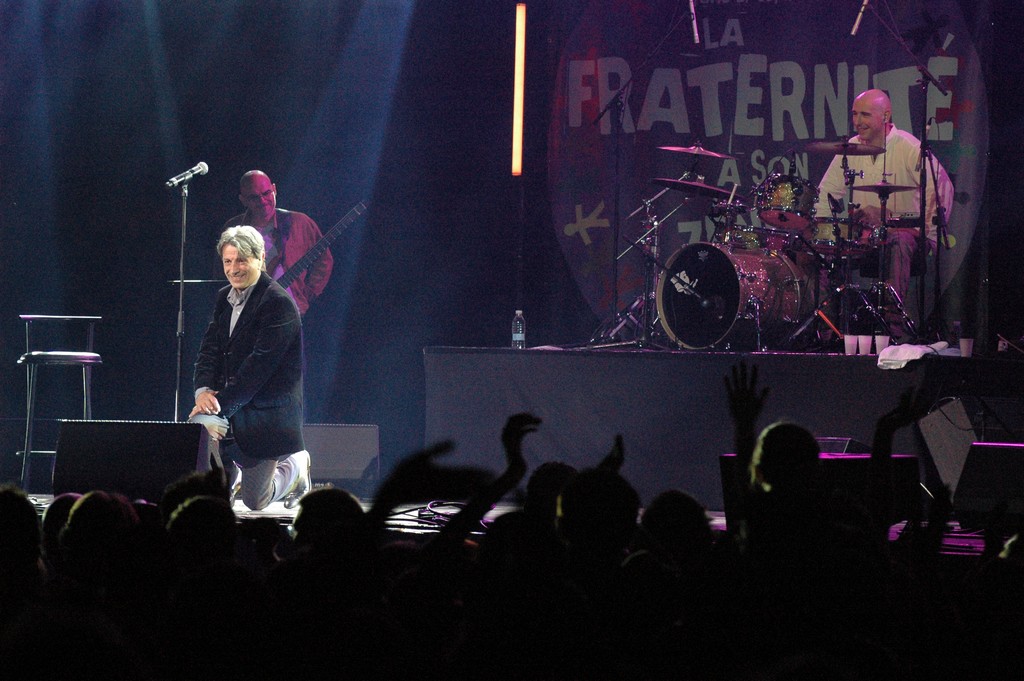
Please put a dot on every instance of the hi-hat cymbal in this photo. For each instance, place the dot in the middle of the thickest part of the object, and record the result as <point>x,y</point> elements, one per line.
<point>844,148</point>
<point>697,150</point>
<point>698,188</point>
<point>883,188</point>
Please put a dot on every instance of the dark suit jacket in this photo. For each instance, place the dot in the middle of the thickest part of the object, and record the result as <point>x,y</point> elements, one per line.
<point>257,370</point>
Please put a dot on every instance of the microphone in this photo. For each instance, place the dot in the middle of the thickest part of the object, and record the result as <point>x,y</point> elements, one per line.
<point>200,169</point>
<point>860,15</point>
<point>693,21</point>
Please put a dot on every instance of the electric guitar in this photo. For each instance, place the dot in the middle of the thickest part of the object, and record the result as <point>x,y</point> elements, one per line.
<point>314,253</point>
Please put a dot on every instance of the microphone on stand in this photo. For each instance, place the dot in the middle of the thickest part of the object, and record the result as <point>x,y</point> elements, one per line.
<point>860,15</point>
<point>200,169</point>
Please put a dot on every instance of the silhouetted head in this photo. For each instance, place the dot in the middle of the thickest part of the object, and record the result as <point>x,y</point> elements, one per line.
<point>19,527</point>
<point>679,525</point>
<point>202,530</point>
<point>97,534</point>
<point>597,511</point>
<point>785,458</point>
<point>54,519</point>
<point>544,486</point>
<point>324,511</point>
<point>209,484</point>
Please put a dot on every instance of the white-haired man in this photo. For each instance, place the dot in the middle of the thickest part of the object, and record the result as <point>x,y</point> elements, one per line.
<point>248,377</point>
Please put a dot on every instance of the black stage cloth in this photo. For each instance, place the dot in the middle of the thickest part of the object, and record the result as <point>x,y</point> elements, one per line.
<point>670,407</point>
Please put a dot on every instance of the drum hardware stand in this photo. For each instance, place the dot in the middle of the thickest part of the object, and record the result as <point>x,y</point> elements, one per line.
<point>645,304</point>
<point>822,264</point>
<point>754,305</point>
<point>882,287</point>
<point>730,210</point>
<point>640,315</point>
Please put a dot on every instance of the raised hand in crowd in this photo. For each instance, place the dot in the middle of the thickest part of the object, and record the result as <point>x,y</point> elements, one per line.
<point>458,527</point>
<point>746,402</point>
<point>880,494</point>
<point>419,478</point>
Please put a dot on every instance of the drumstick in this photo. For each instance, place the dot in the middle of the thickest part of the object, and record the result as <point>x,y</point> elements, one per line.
<point>732,194</point>
<point>830,324</point>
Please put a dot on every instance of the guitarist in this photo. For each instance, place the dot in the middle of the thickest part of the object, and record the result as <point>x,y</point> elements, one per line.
<point>287,234</point>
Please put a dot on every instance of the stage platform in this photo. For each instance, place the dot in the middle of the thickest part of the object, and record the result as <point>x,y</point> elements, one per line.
<point>671,407</point>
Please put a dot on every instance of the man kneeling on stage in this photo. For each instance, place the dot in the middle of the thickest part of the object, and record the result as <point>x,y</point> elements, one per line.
<point>248,379</point>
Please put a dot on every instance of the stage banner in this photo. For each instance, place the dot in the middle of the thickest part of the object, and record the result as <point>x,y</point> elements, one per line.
<point>754,81</point>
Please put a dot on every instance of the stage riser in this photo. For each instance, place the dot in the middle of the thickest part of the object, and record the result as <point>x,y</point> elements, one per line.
<point>670,407</point>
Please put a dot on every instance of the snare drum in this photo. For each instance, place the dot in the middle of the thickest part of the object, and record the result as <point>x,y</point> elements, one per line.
<point>786,201</point>
<point>822,235</point>
<point>711,294</point>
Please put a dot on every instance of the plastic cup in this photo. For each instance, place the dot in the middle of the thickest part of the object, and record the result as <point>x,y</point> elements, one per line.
<point>881,342</point>
<point>850,344</point>
<point>864,345</point>
<point>966,347</point>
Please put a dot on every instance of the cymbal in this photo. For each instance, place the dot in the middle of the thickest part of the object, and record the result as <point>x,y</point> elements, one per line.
<point>697,150</point>
<point>845,148</point>
<point>821,219</point>
<point>698,188</point>
<point>883,187</point>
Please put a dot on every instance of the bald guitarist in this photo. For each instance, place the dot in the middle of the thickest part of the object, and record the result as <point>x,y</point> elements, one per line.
<point>288,235</point>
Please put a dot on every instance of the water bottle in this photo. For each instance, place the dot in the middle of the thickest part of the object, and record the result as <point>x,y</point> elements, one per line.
<point>518,331</point>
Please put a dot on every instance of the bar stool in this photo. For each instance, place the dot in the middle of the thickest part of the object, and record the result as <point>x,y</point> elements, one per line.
<point>34,359</point>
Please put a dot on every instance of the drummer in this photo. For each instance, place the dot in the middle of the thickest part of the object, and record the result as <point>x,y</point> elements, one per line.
<point>897,165</point>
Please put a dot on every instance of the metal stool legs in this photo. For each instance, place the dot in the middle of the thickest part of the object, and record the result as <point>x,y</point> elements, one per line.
<point>32,374</point>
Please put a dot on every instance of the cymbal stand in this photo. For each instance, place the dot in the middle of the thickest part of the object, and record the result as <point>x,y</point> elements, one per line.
<point>849,175</point>
<point>640,315</point>
<point>835,287</point>
<point>882,287</point>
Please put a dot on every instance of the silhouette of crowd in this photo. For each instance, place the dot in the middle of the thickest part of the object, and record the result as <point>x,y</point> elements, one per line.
<point>581,582</point>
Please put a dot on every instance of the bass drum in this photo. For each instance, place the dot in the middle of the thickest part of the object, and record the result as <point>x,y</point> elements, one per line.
<point>713,295</point>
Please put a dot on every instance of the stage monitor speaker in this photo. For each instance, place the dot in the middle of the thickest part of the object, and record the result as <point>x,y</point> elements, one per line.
<point>135,458</point>
<point>992,474</point>
<point>345,455</point>
<point>951,429</point>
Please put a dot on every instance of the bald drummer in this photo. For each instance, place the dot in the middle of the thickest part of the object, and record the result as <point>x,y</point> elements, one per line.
<point>898,165</point>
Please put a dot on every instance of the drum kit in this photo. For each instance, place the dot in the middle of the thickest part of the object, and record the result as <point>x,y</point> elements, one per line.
<point>755,287</point>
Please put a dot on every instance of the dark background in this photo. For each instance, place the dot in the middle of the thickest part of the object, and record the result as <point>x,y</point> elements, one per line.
<point>405,105</point>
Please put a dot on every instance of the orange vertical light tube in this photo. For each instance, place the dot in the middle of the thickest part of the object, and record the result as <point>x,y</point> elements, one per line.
<point>519,85</point>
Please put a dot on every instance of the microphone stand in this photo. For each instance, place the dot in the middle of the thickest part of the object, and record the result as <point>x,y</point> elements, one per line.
<point>922,244</point>
<point>181,299</point>
<point>617,103</point>
<point>941,233</point>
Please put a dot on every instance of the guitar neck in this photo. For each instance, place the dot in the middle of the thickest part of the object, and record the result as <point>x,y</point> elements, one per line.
<point>314,253</point>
